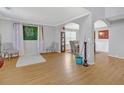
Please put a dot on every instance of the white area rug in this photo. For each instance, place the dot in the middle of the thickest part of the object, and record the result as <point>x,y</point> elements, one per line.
<point>29,60</point>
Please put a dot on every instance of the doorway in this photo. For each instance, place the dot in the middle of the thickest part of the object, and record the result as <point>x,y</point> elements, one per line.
<point>70,36</point>
<point>101,37</point>
<point>70,30</point>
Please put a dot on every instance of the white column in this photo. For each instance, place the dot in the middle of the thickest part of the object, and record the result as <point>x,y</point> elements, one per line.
<point>86,33</point>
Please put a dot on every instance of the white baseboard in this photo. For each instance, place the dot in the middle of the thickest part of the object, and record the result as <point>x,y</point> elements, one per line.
<point>116,56</point>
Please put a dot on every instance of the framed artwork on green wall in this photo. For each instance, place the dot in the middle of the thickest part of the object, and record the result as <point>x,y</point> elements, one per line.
<point>30,32</point>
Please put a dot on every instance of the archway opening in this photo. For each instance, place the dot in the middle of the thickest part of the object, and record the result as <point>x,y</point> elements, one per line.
<point>70,30</point>
<point>101,36</point>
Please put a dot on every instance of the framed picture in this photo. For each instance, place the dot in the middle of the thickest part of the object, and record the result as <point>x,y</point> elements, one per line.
<point>30,32</point>
<point>104,34</point>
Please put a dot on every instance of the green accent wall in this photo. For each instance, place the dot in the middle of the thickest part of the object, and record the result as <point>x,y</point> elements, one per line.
<point>30,33</point>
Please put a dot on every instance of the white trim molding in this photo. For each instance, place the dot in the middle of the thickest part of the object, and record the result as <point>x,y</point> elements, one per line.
<point>115,56</point>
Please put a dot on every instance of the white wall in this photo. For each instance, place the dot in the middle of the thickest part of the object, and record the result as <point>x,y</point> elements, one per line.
<point>114,11</point>
<point>30,47</point>
<point>102,45</point>
<point>97,12</point>
<point>116,33</point>
<point>6,30</point>
<point>85,32</point>
<point>116,41</point>
<point>49,36</point>
<point>105,12</point>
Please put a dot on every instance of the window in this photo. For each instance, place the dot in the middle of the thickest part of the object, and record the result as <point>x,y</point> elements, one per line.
<point>70,36</point>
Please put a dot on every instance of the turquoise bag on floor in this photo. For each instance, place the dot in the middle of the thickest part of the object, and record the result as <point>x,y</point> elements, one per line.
<point>79,59</point>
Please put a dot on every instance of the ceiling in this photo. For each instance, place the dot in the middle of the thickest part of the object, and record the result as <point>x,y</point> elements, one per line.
<point>42,15</point>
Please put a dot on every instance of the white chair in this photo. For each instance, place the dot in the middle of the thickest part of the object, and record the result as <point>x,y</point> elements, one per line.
<point>53,47</point>
<point>9,51</point>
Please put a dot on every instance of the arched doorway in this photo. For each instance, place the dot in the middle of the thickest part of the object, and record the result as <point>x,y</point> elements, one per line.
<point>101,36</point>
<point>70,30</point>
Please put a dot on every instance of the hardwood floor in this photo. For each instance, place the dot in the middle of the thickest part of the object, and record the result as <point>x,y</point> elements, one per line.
<point>60,68</point>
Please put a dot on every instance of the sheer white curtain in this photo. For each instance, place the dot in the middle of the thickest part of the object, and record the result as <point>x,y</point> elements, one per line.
<point>40,40</point>
<point>18,38</point>
<point>57,38</point>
